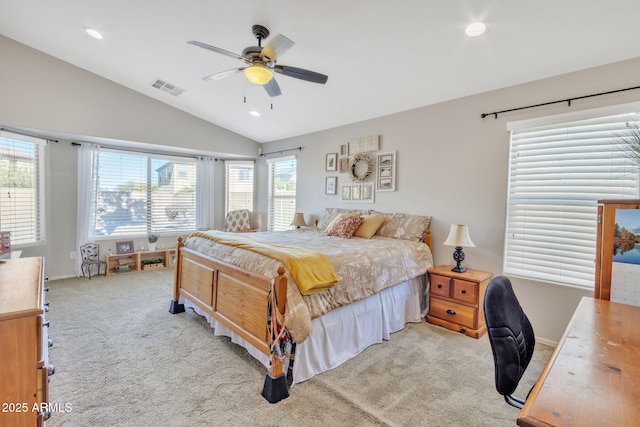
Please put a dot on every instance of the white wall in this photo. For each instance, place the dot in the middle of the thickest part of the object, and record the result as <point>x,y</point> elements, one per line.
<point>41,93</point>
<point>453,165</point>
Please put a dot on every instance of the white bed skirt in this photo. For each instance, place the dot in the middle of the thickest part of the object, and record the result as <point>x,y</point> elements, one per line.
<point>343,333</point>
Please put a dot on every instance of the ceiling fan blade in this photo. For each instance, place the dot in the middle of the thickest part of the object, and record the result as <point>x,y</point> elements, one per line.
<point>300,73</point>
<point>277,46</point>
<point>216,49</point>
<point>223,74</point>
<point>272,88</point>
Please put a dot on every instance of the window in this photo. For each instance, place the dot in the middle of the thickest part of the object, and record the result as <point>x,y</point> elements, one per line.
<point>22,188</point>
<point>140,193</point>
<point>558,172</point>
<point>239,179</point>
<point>282,192</point>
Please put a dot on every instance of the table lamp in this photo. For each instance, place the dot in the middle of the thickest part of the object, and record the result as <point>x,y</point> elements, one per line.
<point>298,220</point>
<point>459,237</point>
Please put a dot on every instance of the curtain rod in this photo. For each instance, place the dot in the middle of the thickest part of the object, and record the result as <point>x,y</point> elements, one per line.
<point>28,134</point>
<point>141,151</point>
<point>568,101</point>
<point>281,151</point>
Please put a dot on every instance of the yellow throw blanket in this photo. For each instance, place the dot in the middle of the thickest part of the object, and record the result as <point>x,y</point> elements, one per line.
<point>311,270</point>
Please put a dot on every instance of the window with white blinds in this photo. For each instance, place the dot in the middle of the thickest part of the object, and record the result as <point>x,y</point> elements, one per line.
<point>239,183</point>
<point>558,172</point>
<point>140,194</point>
<point>22,188</point>
<point>282,192</point>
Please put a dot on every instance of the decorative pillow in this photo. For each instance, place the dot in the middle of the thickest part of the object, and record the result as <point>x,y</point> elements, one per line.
<point>331,213</point>
<point>346,226</point>
<point>338,217</point>
<point>238,220</point>
<point>369,226</point>
<point>404,226</point>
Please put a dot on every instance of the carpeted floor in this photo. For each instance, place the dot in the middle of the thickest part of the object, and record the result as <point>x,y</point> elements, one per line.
<point>122,359</point>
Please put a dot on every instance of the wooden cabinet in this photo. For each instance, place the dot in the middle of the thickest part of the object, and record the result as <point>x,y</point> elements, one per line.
<point>455,300</point>
<point>617,276</point>
<point>140,261</point>
<point>24,342</point>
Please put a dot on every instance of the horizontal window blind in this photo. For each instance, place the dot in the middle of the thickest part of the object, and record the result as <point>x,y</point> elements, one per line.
<point>282,192</point>
<point>22,188</point>
<point>239,183</point>
<point>140,194</point>
<point>557,174</point>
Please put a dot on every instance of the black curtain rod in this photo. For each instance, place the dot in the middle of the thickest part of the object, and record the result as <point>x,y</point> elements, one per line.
<point>28,134</point>
<point>281,151</point>
<point>568,101</point>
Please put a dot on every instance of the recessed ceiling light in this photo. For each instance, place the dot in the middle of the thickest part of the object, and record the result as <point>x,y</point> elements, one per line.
<point>475,29</point>
<point>93,33</point>
<point>254,113</point>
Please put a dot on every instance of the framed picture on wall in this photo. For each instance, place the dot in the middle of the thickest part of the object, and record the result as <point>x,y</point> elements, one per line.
<point>386,171</point>
<point>331,164</point>
<point>344,149</point>
<point>331,186</point>
<point>346,192</point>
<point>344,165</point>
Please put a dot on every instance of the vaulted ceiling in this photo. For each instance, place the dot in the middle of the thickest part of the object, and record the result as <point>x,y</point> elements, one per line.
<point>381,56</point>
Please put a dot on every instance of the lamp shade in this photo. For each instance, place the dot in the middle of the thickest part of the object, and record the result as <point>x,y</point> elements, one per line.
<point>258,74</point>
<point>459,236</point>
<point>298,220</point>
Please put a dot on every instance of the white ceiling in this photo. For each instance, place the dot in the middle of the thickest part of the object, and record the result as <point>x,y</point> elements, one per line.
<point>381,56</point>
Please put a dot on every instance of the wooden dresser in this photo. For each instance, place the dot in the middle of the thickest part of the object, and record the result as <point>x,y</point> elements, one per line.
<point>24,342</point>
<point>455,300</point>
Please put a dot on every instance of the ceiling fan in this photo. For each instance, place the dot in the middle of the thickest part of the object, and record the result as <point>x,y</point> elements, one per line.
<point>261,62</point>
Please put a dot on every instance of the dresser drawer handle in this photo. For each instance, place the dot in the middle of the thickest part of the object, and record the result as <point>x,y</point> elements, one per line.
<point>439,286</point>
<point>51,370</point>
<point>463,291</point>
<point>46,323</point>
<point>49,342</point>
<point>451,311</point>
<point>46,415</point>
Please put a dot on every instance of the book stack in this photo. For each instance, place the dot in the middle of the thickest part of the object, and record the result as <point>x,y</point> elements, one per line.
<point>123,268</point>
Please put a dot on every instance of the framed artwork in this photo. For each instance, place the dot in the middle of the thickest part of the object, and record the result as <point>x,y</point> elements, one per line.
<point>331,186</point>
<point>343,165</point>
<point>346,192</point>
<point>344,149</point>
<point>366,192</point>
<point>124,247</point>
<point>386,171</point>
<point>331,164</point>
<point>355,192</point>
<point>364,144</point>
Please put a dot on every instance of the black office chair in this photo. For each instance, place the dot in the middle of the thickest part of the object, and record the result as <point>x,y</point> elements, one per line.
<point>511,337</point>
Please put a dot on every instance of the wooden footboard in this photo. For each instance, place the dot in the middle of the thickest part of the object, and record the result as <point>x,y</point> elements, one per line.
<point>235,297</point>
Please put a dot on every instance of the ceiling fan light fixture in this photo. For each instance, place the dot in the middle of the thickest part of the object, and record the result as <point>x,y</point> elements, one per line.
<point>476,29</point>
<point>258,74</point>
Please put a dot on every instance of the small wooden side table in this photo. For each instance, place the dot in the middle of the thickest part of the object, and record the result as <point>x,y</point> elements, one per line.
<point>456,300</point>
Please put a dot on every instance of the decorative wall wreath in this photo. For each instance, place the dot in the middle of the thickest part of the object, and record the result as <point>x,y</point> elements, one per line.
<point>360,168</point>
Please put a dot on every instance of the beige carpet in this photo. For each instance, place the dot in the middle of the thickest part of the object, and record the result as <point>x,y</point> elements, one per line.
<point>123,360</point>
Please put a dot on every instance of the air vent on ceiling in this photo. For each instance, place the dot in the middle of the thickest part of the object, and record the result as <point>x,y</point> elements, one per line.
<point>167,87</point>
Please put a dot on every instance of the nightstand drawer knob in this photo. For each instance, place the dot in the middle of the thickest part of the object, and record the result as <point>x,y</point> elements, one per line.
<point>439,286</point>
<point>463,291</point>
<point>451,311</point>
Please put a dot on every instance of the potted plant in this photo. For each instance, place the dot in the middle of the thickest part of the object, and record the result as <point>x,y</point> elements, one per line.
<point>152,238</point>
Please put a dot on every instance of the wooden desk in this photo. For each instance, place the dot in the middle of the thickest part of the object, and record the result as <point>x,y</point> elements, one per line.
<point>593,376</point>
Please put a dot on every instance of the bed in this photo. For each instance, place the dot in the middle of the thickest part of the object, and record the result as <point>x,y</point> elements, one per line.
<point>259,300</point>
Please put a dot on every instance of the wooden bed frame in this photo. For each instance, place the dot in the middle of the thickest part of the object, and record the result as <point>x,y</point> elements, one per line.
<point>238,299</point>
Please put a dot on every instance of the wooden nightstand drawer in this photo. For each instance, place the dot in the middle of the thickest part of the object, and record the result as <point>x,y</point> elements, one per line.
<point>465,291</point>
<point>453,312</point>
<point>440,286</point>
<point>456,299</point>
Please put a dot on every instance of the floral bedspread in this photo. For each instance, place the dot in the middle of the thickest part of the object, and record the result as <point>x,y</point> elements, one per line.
<point>363,266</point>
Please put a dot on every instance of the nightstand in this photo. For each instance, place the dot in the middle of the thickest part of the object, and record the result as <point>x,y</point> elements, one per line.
<point>456,300</point>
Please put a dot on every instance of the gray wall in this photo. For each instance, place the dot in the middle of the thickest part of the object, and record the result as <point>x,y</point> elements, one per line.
<point>453,165</point>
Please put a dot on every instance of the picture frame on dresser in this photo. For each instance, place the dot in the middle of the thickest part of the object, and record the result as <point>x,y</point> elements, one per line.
<point>124,247</point>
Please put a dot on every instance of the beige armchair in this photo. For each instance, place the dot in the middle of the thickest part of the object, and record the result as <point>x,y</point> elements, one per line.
<point>242,221</point>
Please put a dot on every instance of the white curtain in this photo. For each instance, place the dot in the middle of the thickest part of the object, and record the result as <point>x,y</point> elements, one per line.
<point>204,193</point>
<point>87,189</point>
